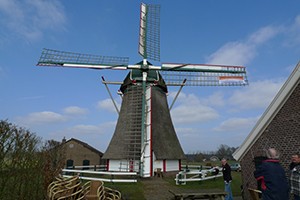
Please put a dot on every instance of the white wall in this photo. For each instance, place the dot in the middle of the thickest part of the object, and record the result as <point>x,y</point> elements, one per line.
<point>172,165</point>
<point>123,165</point>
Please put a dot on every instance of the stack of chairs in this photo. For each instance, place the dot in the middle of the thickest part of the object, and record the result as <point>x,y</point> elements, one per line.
<point>65,189</point>
<point>72,188</point>
<point>106,193</point>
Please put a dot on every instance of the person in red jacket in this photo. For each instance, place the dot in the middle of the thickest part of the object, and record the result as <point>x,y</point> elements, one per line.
<point>272,176</point>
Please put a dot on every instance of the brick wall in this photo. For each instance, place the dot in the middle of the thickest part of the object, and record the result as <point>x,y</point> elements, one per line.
<point>283,133</point>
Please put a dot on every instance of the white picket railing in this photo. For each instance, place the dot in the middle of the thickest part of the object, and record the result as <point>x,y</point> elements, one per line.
<point>197,175</point>
<point>90,167</point>
<point>195,167</point>
<point>132,176</point>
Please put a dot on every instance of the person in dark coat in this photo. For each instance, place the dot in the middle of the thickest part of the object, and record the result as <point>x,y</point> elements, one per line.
<point>295,176</point>
<point>227,179</point>
<point>272,177</point>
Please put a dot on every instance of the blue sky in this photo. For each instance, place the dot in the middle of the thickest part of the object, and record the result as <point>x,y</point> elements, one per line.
<point>54,103</point>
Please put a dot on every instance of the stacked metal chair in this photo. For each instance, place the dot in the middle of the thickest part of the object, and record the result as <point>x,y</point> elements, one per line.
<point>65,188</point>
<point>106,193</point>
<point>72,188</point>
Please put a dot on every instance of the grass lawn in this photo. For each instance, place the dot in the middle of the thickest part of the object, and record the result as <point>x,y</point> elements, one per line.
<point>129,190</point>
<point>217,183</point>
<point>134,191</point>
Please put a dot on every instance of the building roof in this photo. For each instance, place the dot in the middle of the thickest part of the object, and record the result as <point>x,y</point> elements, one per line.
<point>165,143</point>
<point>277,103</point>
<point>85,145</point>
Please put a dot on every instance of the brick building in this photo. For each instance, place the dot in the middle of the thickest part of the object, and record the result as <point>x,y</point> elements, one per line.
<point>278,127</point>
<point>79,153</point>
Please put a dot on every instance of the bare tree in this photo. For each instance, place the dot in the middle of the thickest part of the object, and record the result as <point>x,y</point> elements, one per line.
<point>24,161</point>
<point>224,151</point>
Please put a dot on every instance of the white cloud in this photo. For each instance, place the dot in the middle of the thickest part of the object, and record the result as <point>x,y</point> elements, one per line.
<point>232,53</point>
<point>11,8</point>
<point>293,33</point>
<point>258,94</point>
<point>84,130</point>
<point>241,53</point>
<point>191,109</point>
<point>108,105</point>
<point>44,117</point>
<point>216,99</point>
<point>75,110</point>
<point>192,98</point>
<point>290,68</point>
<point>97,135</point>
<point>28,19</point>
<point>49,117</point>
<point>186,131</point>
<point>263,35</point>
<point>48,14</point>
<point>235,124</point>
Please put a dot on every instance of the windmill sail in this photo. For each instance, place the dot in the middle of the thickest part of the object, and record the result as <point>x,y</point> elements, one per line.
<point>204,74</point>
<point>50,57</point>
<point>149,37</point>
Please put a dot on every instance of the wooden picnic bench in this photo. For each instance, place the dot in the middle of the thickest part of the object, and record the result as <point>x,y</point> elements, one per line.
<point>199,195</point>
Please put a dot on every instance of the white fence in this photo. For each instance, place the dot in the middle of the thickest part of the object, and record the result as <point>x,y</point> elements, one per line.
<point>102,176</point>
<point>90,167</point>
<point>197,175</point>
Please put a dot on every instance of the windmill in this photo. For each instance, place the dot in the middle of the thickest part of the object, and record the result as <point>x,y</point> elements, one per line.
<point>144,137</point>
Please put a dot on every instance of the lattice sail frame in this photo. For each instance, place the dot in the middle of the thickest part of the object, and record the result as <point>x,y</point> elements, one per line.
<point>204,75</point>
<point>51,57</point>
<point>149,37</point>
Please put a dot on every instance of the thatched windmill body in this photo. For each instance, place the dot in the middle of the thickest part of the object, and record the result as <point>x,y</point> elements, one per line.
<point>145,138</point>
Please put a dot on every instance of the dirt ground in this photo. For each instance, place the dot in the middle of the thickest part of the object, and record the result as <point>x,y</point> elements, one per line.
<point>157,188</point>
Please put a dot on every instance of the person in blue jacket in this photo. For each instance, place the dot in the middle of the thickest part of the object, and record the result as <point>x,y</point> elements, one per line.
<point>270,173</point>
